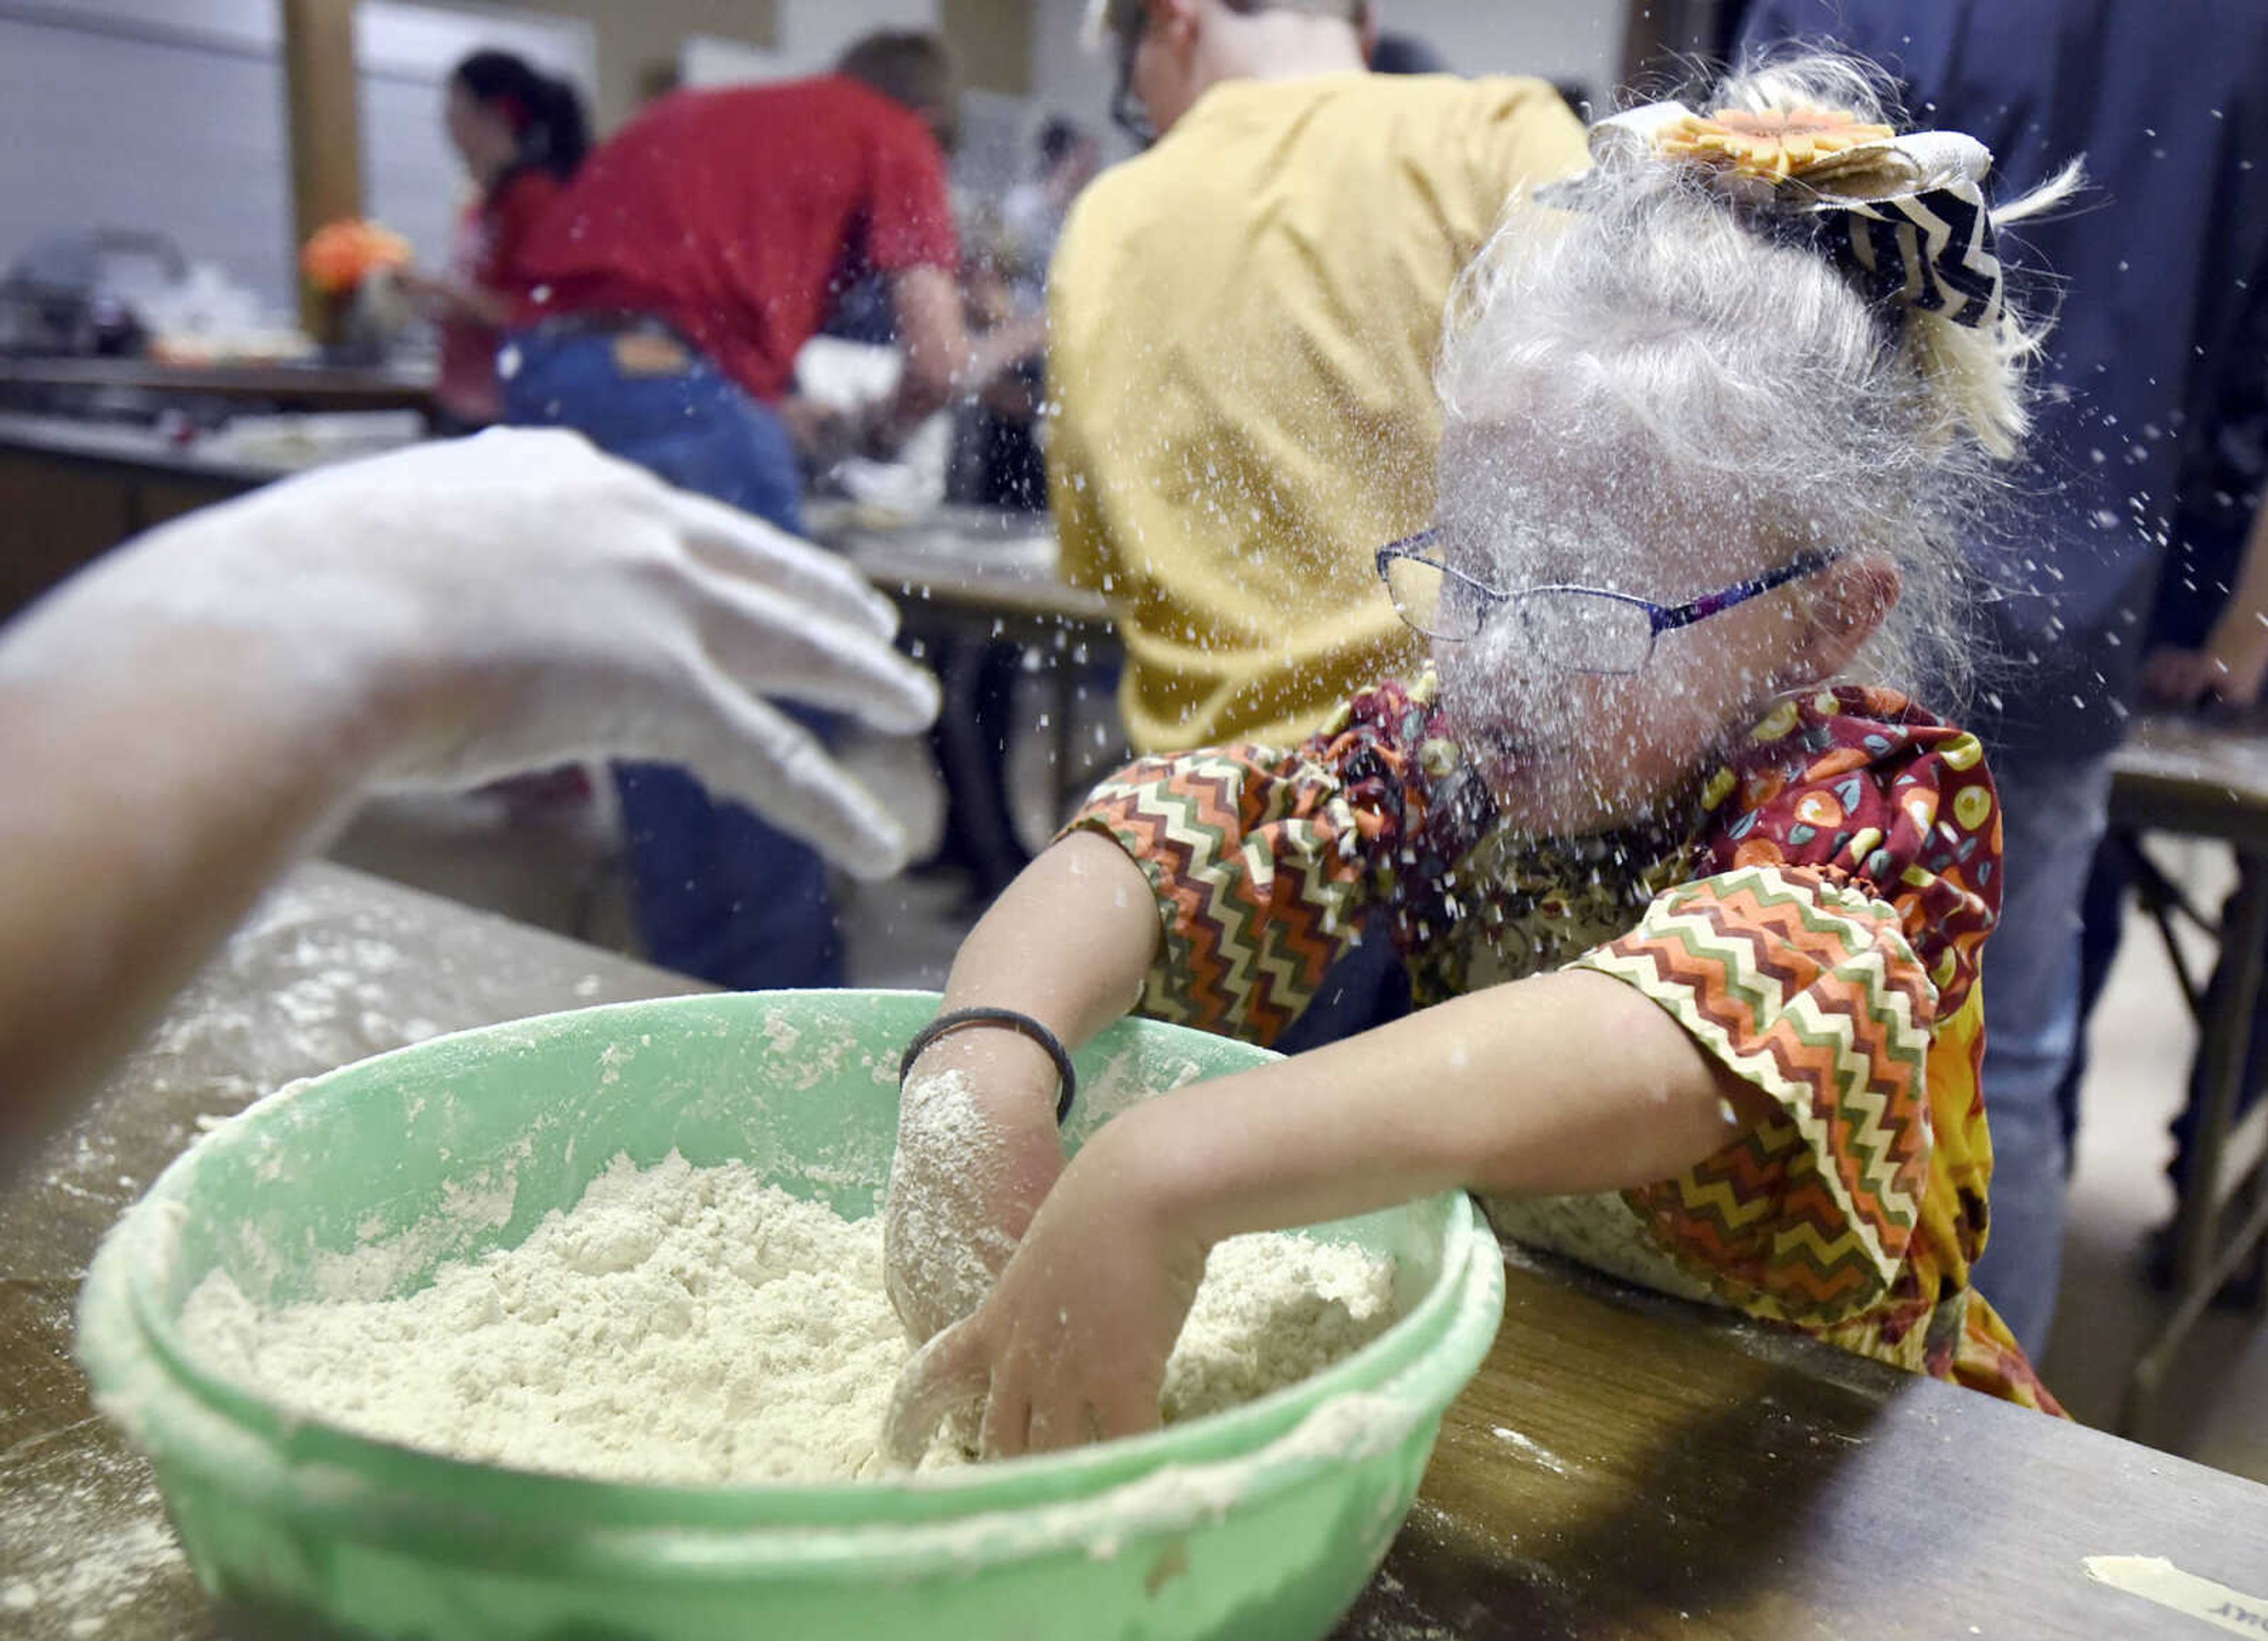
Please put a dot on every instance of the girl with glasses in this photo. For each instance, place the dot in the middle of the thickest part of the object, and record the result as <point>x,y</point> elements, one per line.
<point>1692,889</point>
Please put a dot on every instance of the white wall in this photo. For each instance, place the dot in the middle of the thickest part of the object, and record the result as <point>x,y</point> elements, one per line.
<point>168,115</point>
<point>1066,78</point>
<point>1557,39</point>
<point>148,115</point>
<point>812,33</point>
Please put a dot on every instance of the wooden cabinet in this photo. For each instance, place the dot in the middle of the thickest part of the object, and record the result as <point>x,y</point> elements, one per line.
<point>60,511</point>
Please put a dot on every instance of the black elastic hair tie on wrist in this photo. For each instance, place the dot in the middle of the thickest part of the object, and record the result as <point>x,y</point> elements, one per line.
<point>944,1025</point>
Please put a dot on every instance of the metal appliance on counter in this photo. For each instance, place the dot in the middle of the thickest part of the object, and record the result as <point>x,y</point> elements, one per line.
<point>82,296</point>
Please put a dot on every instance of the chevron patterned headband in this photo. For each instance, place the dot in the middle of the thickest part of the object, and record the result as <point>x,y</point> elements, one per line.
<point>1904,217</point>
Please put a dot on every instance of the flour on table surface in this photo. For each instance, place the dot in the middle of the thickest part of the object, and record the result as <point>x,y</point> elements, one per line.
<point>697,1326</point>
<point>84,1544</point>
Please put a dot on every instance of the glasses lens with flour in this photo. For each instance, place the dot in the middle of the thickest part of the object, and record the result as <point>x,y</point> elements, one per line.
<point>1570,629</point>
<point>1580,631</point>
<point>1437,601</point>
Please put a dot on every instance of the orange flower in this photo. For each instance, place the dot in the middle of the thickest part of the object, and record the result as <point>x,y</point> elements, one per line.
<point>1773,146</point>
<point>339,256</point>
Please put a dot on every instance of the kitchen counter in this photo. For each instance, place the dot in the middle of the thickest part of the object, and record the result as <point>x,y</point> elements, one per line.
<point>292,386</point>
<point>71,490</point>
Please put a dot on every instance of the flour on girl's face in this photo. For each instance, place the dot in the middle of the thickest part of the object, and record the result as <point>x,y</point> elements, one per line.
<point>697,1326</point>
<point>1565,752</point>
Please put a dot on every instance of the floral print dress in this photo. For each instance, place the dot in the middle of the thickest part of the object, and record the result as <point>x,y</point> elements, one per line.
<point>1813,913</point>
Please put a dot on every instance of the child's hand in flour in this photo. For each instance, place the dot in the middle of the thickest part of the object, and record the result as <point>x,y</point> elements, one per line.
<point>1068,946</point>
<point>1073,1344</point>
<point>517,600</point>
<point>977,1153</point>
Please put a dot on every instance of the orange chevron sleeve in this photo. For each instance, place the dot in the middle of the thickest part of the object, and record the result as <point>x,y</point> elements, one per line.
<point>1805,985</point>
<point>1258,863</point>
<point>1265,863</point>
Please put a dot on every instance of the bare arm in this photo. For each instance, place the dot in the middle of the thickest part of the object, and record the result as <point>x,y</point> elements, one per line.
<point>2237,650</point>
<point>450,299</point>
<point>1564,1083</point>
<point>934,338</point>
<point>941,357</point>
<point>2232,665</point>
<point>1068,943</point>
<point>148,803</point>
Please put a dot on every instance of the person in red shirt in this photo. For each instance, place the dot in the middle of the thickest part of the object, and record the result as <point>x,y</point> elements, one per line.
<point>522,135</point>
<point>671,289</point>
<point>729,221</point>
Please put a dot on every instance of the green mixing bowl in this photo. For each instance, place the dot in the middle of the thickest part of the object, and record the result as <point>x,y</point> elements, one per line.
<point>1265,1521</point>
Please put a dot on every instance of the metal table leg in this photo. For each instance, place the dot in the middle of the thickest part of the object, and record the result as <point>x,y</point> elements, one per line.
<point>2206,1254</point>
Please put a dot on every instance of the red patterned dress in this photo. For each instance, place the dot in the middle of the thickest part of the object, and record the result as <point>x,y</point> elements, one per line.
<point>1813,913</point>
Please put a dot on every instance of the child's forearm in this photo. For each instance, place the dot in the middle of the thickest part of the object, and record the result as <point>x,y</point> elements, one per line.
<point>1068,943</point>
<point>1561,1084</point>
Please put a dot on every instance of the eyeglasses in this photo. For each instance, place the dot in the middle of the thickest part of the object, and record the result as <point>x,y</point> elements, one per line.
<point>1126,110</point>
<point>1579,629</point>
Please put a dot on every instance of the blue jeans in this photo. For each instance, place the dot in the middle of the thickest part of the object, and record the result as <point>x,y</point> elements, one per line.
<point>718,892</point>
<point>2053,813</point>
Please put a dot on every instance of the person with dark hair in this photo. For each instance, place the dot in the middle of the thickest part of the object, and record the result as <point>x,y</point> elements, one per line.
<point>522,135</point>
<point>1407,53</point>
<point>1059,139</point>
<point>696,253</point>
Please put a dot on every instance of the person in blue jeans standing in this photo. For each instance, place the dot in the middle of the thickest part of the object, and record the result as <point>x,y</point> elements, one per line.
<point>668,292</point>
<point>718,892</point>
<point>2162,272</point>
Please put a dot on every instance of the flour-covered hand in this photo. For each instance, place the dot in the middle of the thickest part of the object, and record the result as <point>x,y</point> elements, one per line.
<point>977,1153</point>
<point>518,601</point>
<point>1072,1345</point>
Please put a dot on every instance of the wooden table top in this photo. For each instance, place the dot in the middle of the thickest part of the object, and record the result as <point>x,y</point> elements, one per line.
<point>2206,774</point>
<point>977,561</point>
<point>1623,1465</point>
<point>312,385</point>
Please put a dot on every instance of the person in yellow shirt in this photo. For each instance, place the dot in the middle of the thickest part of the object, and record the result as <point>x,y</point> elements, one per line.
<point>1243,325</point>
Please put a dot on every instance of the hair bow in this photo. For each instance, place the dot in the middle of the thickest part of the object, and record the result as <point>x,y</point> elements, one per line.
<point>1904,217</point>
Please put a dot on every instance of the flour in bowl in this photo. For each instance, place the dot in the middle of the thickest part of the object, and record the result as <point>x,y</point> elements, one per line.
<point>697,1326</point>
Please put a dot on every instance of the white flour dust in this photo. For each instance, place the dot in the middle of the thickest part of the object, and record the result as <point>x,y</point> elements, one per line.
<point>946,1167</point>
<point>697,1326</point>
<point>85,1550</point>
